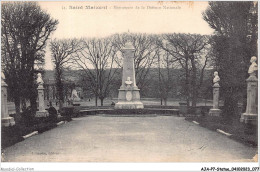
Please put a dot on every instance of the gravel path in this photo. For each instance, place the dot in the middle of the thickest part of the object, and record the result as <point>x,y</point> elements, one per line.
<point>129,139</point>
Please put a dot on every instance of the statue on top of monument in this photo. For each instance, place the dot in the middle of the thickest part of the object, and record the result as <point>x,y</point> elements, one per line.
<point>216,78</point>
<point>128,43</point>
<point>253,67</point>
<point>39,79</point>
<point>128,82</point>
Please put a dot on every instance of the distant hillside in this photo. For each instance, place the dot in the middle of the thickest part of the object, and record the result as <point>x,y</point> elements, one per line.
<point>49,76</point>
<point>151,89</point>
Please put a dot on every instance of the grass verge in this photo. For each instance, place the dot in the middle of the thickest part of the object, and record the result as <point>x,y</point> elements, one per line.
<point>244,133</point>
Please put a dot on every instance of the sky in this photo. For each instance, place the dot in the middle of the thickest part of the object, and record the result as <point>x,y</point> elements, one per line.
<point>86,19</point>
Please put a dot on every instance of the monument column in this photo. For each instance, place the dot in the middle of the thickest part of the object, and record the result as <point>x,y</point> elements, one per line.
<point>6,119</point>
<point>129,95</point>
<point>41,112</point>
<point>250,116</point>
<point>215,111</point>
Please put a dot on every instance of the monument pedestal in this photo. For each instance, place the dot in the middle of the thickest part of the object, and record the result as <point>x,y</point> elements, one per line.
<point>129,105</point>
<point>215,111</point>
<point>129,99</point>
<point>6,120</point>
<point>250,116</point>
<point>42,112</point>
<point>76,103</point>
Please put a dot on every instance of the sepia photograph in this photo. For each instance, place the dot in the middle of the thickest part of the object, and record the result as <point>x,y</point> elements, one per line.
<point>129,82</point>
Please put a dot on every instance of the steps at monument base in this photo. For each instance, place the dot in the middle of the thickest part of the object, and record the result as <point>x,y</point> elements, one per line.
<point>94,111</point>
<point>131,112</point>
<point>160,107</point>
<point>128,115</point>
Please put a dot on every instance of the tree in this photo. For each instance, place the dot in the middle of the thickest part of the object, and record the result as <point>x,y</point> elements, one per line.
<point>234,42</point>
<point>98,59</point>
<point>61,51</point>
<point>25,31</point>
<point>166,75</point>
<point>191,53</point>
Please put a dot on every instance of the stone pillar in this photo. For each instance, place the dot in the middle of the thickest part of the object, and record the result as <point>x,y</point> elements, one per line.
<point>41,112</point>
<point>250,116</point>
<point>129,95</point>
<point>215,111</point>
<point>6,119</point>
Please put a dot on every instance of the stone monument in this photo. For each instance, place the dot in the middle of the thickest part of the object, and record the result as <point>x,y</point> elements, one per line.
<point>41,112</point>
<point>6,119</point>
<point>215,111</point>
<point>129,95</point>
<point>74,95</point>
<point>75,100</point>
<point>250,116</point>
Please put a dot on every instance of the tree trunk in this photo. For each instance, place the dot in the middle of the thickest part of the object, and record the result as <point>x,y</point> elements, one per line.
<point>194,96</point>
<point>101,101</point>
<point>96,100</point>
<point>23,103</point>
<point>33,102</point>
<point>17,108</point>
<point>230,110</point>
<point>60,94</point>
<point>187,90</point>
<point>160,87</point>
<point>60,104</point>
<point>194,84</point>
<point>188,102</point>
<point>33,94</point>
<point>59,86</point>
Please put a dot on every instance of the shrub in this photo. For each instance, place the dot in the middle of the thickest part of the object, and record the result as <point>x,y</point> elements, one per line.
<point>29,123</point>
<point>53,115</point>
<point>67,112</point>
<point>28,117</point>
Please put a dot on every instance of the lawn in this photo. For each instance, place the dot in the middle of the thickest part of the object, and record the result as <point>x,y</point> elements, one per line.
<point>244,133</point>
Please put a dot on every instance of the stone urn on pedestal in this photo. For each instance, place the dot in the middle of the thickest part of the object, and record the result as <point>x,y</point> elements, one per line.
<point>215,111</point>
<point>5,118</point>
<point>41,112</point>
<point>250,116</point>
<point>129,95</point>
